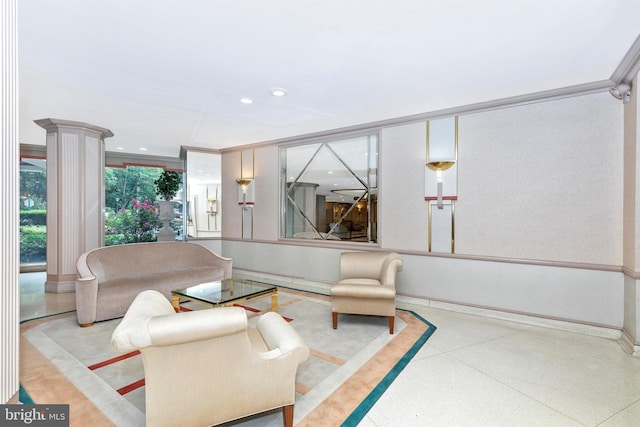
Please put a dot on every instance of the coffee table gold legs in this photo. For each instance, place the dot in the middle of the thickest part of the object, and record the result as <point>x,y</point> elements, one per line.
<point>274,301</point>
<point>175,302</point>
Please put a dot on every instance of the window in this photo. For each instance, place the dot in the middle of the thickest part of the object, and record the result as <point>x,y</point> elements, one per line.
<point>330,190</point>
<point>33,211</point>
<point>131,211</point>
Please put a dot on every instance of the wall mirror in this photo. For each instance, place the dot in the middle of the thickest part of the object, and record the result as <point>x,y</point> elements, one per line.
<point>203,184</point>
<point>330,190</point>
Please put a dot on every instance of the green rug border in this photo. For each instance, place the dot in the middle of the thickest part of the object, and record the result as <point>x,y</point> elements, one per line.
<point>363,408</point>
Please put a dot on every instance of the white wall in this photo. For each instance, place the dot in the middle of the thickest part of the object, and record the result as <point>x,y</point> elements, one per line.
<point>403,210</point>
<point>540,183</point>
<point>581,295</point>
<point>543,181</point>
<point>266,210</point>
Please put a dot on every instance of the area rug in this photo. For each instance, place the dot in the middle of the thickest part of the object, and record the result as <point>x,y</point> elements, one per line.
<point>348,370</point>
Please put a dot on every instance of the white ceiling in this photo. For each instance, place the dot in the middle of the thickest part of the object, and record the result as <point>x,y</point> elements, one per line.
<point>165,73</point>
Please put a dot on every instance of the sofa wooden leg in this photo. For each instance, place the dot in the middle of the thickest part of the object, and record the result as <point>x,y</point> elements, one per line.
<point>334,318</point>
<point>86,325</point>
<point>287,413</point>
<point>392,320</point>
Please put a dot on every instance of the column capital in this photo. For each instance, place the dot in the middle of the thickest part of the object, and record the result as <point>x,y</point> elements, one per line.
<point>52,125</point>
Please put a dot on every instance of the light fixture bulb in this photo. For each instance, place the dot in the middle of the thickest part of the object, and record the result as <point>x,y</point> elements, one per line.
<point>621,91</point>
<point>441,165</point>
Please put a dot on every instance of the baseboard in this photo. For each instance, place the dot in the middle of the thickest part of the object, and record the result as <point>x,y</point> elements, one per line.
<point>629,346</point>
<point>564,325</point>
<point>403,301</point>
<point>59,287</point>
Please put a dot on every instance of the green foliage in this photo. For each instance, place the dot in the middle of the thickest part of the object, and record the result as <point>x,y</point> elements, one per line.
<point>123,184</point>
<point>137,223</point>
<point>33,190</point>
<point>33,217</point>
<point>168,184</point>
<point>33,243</point>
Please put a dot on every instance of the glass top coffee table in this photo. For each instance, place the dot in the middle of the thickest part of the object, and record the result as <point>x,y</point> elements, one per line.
<point>225,293</point>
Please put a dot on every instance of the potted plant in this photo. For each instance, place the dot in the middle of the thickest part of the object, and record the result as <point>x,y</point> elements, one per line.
<point>167,185</point>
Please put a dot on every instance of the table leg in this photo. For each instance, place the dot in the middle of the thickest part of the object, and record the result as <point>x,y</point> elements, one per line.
<point>175,302</point>
<point>274,301</point>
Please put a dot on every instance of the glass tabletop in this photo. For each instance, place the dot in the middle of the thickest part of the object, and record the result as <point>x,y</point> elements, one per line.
<point>224,291</point>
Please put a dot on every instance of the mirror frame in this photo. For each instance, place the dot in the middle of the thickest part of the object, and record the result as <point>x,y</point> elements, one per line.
<point>341,208</point>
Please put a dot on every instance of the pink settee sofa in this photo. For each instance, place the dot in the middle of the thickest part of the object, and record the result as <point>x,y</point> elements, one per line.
<point>110,277</point>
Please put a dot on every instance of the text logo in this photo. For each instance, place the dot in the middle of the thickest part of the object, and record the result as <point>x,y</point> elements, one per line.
<point>34,415</point>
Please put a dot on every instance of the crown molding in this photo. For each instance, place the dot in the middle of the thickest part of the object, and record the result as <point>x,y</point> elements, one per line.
<point>121,160</point>
<point>184,149</point>
<point>629,66</point>
<point>509,102</point>
<point>52,125</point>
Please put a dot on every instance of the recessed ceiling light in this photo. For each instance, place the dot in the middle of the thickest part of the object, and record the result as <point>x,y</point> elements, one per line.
<point>119,148</point>
<point>246,100</point>
<point>142,149</point>
<point>278,92</point>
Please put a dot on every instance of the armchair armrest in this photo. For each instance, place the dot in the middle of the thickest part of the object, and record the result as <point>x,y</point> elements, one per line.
<point>151,320</point>
<point>279,335</point>
<point>392,265</point>
<point>199,325</point>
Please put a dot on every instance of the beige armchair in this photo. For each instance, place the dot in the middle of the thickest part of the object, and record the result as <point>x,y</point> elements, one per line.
<point>207,367</point>
<point>367,285</point>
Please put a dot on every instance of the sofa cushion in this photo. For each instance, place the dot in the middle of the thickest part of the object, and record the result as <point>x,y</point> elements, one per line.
<point>362,290</point>
<point>115,296</point>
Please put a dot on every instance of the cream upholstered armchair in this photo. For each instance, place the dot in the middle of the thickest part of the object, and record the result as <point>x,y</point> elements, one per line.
<point>367,285</point>
<point>207,367</point>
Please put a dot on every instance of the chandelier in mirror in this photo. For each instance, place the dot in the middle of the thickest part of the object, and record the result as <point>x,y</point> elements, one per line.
<point>330,190</point>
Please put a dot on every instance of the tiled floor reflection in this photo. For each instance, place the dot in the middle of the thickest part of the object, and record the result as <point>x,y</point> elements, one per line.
<point>35,302</point>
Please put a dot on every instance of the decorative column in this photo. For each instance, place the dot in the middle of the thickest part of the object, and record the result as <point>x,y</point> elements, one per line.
<point>9,214</point>
<point>75,197</point>
<point>631,224</point>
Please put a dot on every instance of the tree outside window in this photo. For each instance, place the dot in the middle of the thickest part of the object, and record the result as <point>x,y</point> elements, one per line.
<point>131,214</point>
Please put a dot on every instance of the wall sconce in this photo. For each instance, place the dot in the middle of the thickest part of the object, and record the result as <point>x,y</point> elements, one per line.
<point>245,195</point>
<point>621,91</point>
<point>441,156</point>
<point>439,167</point>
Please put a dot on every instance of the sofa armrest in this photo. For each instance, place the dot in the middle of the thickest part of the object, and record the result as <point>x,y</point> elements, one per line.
<point>86,299</point>
<point>82,267</point>
<point>279,335</point>
<point>225,263</point>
